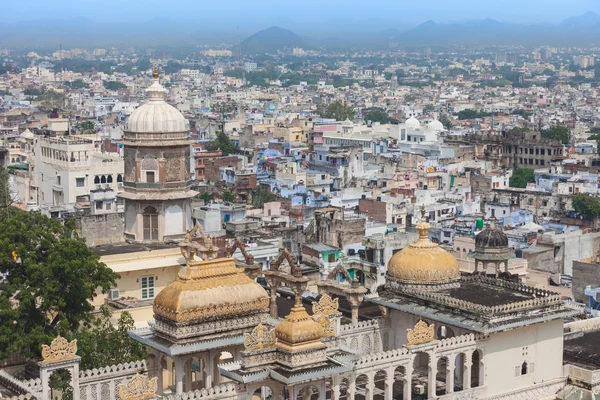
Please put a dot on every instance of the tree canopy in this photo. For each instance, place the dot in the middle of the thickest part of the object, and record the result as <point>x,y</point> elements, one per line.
<point>87,127</point>
<point>228,196</point>
<point>106,344</point>
<point>471,114</point>
<point>521,177</point>
<point>586,205</point>
<point>50,276</point>
<point>114,85</point>
<point>377,115</point>
<point>223,143</point>
<point>560,133</point>
<point>262,195</point>
<point>337,110</point>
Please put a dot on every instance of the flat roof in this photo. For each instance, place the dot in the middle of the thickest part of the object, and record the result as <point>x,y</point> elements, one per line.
<point>125,248</point>
<point>583,350</point>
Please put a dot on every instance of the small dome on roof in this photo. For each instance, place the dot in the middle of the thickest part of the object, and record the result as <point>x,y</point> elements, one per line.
<point>413,123</point>
<point>491,237</point>
<point>436,125</point>
<point>26,134</point>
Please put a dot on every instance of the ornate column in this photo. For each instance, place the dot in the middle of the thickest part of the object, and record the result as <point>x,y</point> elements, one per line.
<point>335,387</point>
<point>389,384</point>
<point>179,372</point>
<point>351,387</point>
<point>467,370</point>
<point>432,377</point>
<point>450,373</point>
<point>207,369</point>
<point>188,374</point>
<point>407,387</point>
<point>370,385</point>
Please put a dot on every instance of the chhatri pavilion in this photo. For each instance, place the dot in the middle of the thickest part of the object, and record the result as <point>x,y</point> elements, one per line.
<point>429,332</point>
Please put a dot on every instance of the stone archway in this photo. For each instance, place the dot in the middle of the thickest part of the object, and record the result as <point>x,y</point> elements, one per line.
<point>379,385</point>
<point>400,385</point>
<point>362,387</point>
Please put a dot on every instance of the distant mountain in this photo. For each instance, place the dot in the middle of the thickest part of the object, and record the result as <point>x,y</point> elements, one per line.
<point>270,40</point>
<point>589,19</point>
<point>581,30</point>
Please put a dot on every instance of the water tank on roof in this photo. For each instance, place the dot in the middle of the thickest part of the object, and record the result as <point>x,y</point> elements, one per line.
<point>519,253</point>
<point>479,223</point>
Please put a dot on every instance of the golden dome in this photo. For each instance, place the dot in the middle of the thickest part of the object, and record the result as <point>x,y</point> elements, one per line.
<point>423,261</point>
<point>298,331</point>
<point>210,290</point>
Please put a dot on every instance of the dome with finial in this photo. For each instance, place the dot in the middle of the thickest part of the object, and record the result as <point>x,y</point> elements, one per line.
<point>491,237</point>
<point>412,123</point>
<point>436,125</point>
<point>156,115</point>
<point>423,261</point>
<point>298,330</point>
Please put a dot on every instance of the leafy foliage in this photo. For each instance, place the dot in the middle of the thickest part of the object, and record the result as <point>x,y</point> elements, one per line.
<point>337,110</point>
<point>585,205</point>
<point>104,344</point>
<point>521,177</point>
<point>560,133</point>
<point>60,381</point>
<point>113,85</point>
<point>77,84</point>
<point>50,278</point>
<point>445,121</point>
<point>262,195</point>
<point>377,115</point>
<point>87,127</point>
<point>471,114</point>
<point>6,198</point>
<point>223,143</point>
<point>228,196</point>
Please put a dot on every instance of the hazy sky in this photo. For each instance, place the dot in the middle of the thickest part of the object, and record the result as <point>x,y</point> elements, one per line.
<point>236,11</point>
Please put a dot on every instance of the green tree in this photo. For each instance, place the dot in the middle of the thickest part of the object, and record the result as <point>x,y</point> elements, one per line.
<point>377,115</point>
<point>77,84</point>
<point>52,100</point>
<point>586,205</point>
<point>206,197</point>
<point>6,197</point>
<point>559,132</point>
<point>471,114</point>
<point>223,143</point>
<point>337,110</point>
<point>262,195</point>
<point>228,196</point>
<point>113,85</point>
<point>50,278</point>
<point>106,344</point>
<point>87,127</point>
<point>521,177</point>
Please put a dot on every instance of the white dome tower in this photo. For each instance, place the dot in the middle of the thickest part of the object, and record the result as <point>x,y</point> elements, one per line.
<point>156,186</point>
<point>413,123</point>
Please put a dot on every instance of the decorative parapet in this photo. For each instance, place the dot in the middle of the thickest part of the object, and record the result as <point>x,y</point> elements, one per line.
<point>98,374</point>
<point>326,306</point>
<point>584,325</point>
<point>224,391</point>
<point>542,298</point>
<point>351,328</point>
<point>138,388</point>
<point>15,385</point>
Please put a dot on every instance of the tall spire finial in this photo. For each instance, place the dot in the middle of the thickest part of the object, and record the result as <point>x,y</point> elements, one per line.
<point>423,212</point>
<point>155,72</point>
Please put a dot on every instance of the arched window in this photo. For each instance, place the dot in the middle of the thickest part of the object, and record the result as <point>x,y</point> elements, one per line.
<point>103,179</point>
<point>109,179</point>
<point>524,368</point>
<point>97,179</point>
<point>119,178</point>
<point>150,223</point>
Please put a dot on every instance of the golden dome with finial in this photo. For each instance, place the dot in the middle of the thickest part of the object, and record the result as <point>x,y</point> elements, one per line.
<point>299,331</point>
<point>423,261</point>
<point>208,291</point>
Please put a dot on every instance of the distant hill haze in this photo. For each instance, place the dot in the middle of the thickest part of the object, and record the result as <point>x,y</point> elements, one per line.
<point>581,30</point>
<point>271,40</point>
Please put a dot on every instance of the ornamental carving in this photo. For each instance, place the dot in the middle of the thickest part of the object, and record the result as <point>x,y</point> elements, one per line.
<point>138,388</point>
<point>421,333</point>
<point>60,349</point>
<point>327,324</point>
<point>260,338</point>
<point>326,305</point>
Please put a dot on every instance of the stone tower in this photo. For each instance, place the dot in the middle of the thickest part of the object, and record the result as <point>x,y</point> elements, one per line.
<point>156,186</point>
